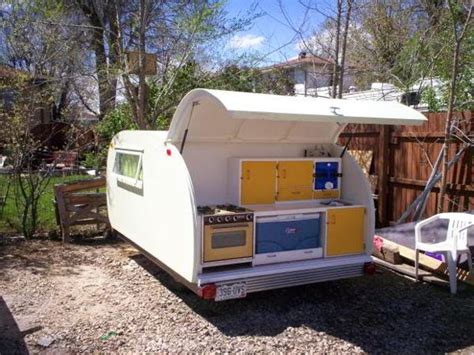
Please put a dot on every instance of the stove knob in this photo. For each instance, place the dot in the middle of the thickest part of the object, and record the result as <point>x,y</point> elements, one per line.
<point>210,220</point>
<point>235,219</point>
<point>248,217</point>
<point>227,219</point>
<point>219,220</point>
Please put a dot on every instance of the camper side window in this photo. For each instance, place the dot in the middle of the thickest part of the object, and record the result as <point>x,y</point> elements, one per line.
<point>129,168</point>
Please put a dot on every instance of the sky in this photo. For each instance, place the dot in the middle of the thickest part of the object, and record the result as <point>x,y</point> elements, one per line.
<point>274,37</point>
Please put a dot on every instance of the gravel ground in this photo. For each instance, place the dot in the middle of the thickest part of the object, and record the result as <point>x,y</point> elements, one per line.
<point>101,296</point>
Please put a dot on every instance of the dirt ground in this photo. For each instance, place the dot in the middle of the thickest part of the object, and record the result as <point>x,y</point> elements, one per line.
<point>103,296</point>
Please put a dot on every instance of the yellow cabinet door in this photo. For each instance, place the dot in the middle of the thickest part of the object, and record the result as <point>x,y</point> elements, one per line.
<point>295,180</point>
<point>258,182</point>
<point>345,231</point>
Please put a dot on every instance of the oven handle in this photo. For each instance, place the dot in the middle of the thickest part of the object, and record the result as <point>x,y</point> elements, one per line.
<point>230,226</point>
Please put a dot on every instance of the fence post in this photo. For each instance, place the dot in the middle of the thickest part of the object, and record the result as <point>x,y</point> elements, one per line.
<point>61,212</point>
<point>383,174</point>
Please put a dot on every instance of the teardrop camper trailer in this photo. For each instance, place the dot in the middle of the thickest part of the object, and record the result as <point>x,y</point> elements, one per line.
<point>248,192</point>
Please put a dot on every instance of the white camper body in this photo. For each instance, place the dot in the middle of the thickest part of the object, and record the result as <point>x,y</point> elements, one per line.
<point>154,190</point>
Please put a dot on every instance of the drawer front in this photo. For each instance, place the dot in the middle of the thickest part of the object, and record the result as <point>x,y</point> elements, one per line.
<point>288,256</point>
<point>295,193</point>
<point>325,194</point>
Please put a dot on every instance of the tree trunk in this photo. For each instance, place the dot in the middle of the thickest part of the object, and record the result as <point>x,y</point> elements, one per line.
<point>343,49</point>
<point>335,72</point>
<point>142,89</point>
<point>106,92</point>
<point>458,37</point>
<point>114,49</point>
<point>447,130</point>
<point>119,57</point>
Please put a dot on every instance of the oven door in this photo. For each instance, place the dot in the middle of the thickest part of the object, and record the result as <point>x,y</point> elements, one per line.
<point>225,242</point>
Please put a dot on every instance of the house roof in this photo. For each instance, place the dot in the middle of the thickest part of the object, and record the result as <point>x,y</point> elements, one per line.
<point>239,117</point>
<point>295,62</point>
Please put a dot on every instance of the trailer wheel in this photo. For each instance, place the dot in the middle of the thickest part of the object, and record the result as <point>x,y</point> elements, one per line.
<point>110,234</point>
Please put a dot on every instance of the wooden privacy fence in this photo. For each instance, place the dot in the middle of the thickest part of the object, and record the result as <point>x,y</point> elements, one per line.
<point>402,159</point>
<point>75,206</point>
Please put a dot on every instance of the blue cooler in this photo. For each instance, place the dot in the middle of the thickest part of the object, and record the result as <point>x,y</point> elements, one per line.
<point>288,232</point>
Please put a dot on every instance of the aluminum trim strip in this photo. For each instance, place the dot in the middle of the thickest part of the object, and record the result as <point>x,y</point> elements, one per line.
<point>283,268</point>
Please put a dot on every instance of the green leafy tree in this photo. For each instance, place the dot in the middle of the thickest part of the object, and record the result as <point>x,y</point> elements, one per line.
<point>30,176</point>
<point>41,57</point>
<point>119,119</point>
<point>172,31</point>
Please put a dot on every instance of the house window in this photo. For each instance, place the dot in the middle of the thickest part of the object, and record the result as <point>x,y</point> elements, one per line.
<point>128,167</point>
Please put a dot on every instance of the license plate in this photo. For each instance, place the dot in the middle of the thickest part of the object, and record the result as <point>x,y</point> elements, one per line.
<point>230,291</point>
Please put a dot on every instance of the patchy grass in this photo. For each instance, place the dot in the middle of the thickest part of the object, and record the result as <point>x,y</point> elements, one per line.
<point>47,219</point>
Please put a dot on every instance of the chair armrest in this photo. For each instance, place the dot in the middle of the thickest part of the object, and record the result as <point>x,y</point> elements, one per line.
<point>424,223</point>
<point>465,228</point>
<point>457,235</point>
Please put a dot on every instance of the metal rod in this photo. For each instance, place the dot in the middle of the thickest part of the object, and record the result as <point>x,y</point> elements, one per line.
<point>195,103</point>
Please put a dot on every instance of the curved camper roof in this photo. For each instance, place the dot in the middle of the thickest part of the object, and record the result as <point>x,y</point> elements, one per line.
<point>229,116</point>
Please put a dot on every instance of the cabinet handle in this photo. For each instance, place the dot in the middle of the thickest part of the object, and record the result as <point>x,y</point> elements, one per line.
<point>331,219</point>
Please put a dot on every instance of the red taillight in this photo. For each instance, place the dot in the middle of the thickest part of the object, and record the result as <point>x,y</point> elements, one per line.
<point>369,268</point>
<point>207,292</point>
<point>168,151</point>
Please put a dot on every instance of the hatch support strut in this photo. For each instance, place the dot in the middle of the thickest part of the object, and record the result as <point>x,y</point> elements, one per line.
<point>195,103</point>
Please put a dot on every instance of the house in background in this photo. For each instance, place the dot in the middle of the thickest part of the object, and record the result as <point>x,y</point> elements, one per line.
<point>311,74</point>
<point>411,96</point>
<point>51,135</point>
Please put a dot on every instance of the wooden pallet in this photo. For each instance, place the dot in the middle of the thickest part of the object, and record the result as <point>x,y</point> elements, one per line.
<point>409,270</point>
<point>391,251</point>
<point>76,207</point>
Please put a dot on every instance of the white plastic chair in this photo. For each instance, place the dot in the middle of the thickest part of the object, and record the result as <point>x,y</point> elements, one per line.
<point>455,243</point>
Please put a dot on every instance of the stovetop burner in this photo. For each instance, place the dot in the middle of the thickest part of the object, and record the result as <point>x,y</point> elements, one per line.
<point>232,208</point>
<point>225,214</point>
<point>221,209</point>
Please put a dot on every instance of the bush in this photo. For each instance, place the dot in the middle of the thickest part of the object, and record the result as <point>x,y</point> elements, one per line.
<point>119,119</point>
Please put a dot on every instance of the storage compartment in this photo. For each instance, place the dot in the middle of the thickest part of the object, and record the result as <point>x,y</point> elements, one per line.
<point>257,182</point>
<point>345,231</point>
<point>261,181</point>
<point>327,178</point>
<point>295,180</point>
<point>288,238</point>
